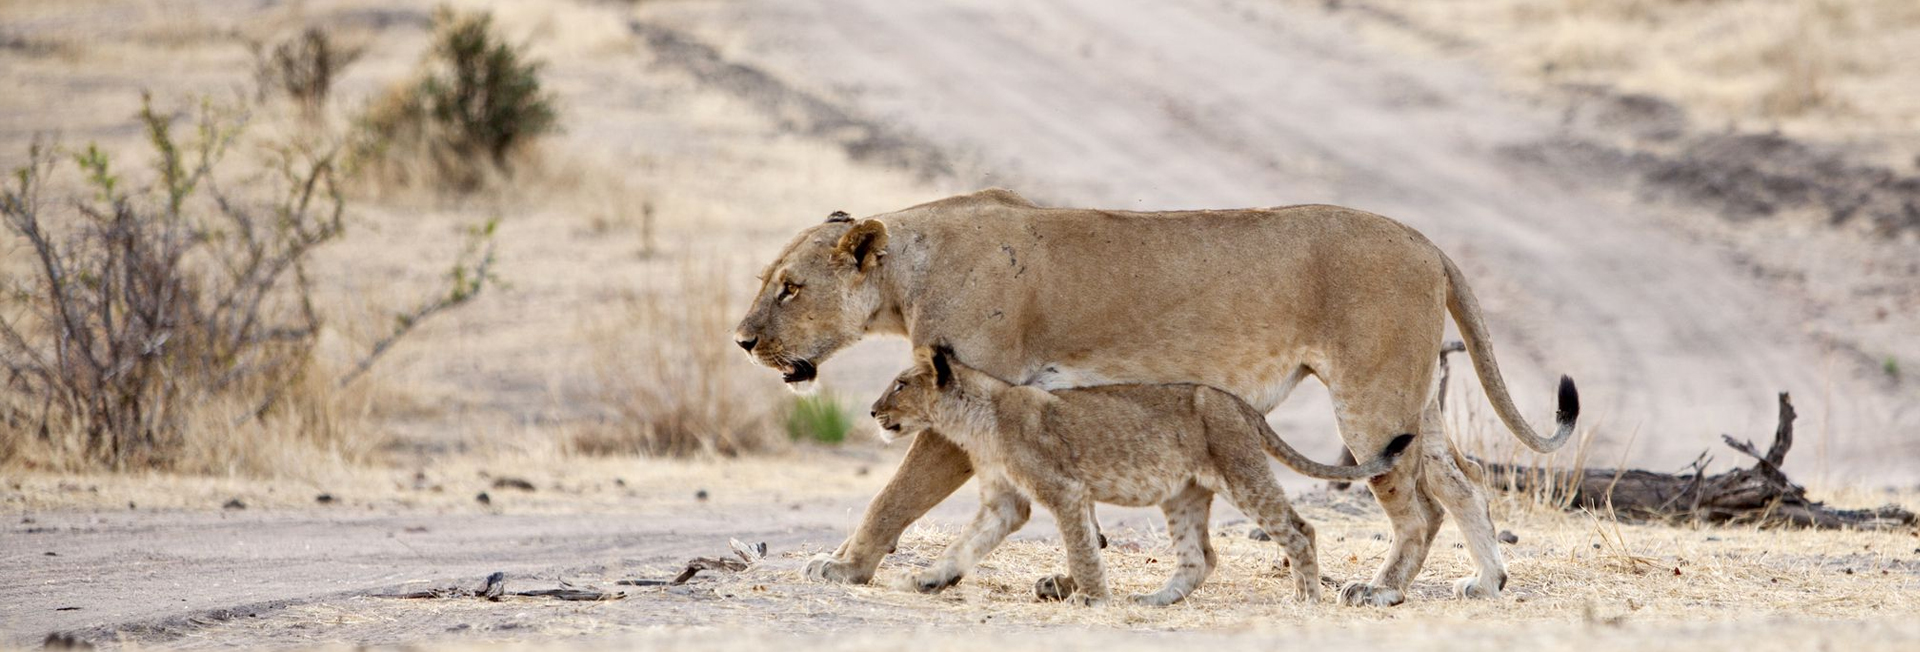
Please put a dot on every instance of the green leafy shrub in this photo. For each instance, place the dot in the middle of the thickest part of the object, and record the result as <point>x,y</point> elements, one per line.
<point>475,105</point>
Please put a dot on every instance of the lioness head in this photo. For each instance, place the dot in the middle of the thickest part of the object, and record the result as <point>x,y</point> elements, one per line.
<point>915,399</point>
<point>816,298</point>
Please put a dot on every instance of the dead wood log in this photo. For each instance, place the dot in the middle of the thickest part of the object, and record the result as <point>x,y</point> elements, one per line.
<point>1758,495</point>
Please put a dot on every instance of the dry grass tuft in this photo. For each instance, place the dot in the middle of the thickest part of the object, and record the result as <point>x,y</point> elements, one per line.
<point>670,380</point>
<point>1824,68</point>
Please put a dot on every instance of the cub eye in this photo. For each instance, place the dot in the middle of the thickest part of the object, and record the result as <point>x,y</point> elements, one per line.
<point>788,289</point>
<point>900,386</point>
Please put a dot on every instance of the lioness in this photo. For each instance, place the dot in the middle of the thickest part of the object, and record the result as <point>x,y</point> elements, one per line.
<point>1136,445</point>
<point>1250,301</point>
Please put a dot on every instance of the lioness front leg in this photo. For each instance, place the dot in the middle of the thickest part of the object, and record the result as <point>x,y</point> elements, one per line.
<point>1002,511</point>
<point>931,471</point>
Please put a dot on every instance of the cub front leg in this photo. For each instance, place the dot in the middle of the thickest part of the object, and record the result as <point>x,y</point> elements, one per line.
<point>1084,567</point>
<point>1002,511</point>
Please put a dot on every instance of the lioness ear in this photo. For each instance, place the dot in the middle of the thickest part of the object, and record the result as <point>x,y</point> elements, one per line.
<point>942,366</point>
<point>862,246</point>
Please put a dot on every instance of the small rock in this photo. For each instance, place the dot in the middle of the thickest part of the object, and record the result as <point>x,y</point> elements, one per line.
<point>496,587</point>
<point>234,504</point>
<point>1258,534</point>
<point>509,482</point>
<point>51,553</point>
<point>484,498</point>
<point>130,505</point>
<point>324,499</point>
<point>700,495</point>
<point>1508,537</point>
<point>618,482</point>
<point>64,641</point>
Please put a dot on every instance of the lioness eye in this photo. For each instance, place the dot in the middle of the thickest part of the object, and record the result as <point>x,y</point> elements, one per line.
<point>788,289</point>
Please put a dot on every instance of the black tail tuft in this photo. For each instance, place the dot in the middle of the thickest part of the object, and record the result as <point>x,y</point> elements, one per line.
<point>1397,446</point>
<point>1569,408</point>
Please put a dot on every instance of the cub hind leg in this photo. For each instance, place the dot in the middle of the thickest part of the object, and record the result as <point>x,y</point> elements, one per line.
<point>1187,516</point>
<point>1252,488</point>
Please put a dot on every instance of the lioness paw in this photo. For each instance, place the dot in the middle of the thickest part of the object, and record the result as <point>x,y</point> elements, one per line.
<point>1473,588</point>
<point>1084,600</point>
<point>1366,595</point>
<point>1158,598</point>
<point>824,567</point>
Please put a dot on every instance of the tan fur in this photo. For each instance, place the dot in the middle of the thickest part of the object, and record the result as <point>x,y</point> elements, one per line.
<point>1168,445</point>
<point>1250,301</point>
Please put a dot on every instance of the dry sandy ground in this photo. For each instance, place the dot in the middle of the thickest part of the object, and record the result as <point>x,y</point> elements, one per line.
<point>1676,327</point>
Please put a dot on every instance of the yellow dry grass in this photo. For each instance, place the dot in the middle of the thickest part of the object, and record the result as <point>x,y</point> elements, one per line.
<point>1837,70</point>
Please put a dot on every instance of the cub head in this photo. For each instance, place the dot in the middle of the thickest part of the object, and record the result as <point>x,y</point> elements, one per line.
<point>816,298</point>
<point>914,400</point>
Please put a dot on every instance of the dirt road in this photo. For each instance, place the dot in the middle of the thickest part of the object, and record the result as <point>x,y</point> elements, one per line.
<point>1155,105</point>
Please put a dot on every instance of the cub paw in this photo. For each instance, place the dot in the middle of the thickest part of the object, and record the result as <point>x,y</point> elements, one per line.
<point>935,580</point>
<point>823,567</point>
<point>1307,592</point>
<point>1366,595</point>
<point>1054,588</point>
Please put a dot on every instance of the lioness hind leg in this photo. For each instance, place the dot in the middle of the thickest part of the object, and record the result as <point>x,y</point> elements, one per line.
<point>1187,516</point>
<point>1374,402</point>
<point>1464,498</point>
<point>1002,511</point>
<point>1416,519</point>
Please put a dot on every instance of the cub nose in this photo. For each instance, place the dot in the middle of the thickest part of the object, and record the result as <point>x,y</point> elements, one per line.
<point>873,413</point>
<point>748,343</point>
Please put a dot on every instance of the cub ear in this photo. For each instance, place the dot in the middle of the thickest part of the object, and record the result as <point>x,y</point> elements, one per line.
<point>942,365</point>
<point>862,246</point>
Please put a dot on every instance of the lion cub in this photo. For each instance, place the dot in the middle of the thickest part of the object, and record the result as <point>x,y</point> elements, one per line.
<point>1168,445</point>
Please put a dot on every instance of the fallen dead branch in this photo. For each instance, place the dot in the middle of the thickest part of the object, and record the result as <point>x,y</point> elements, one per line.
<point>1758,495</point>
<point>495,590</point>
<point>745,555</point>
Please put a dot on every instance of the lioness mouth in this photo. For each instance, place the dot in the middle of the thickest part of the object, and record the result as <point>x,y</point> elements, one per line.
<point>801,371</point>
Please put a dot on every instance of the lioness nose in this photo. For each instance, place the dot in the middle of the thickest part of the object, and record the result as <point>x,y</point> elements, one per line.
<point>747,343</point>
